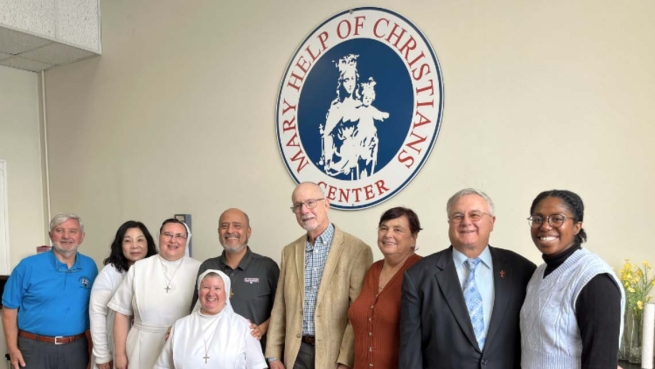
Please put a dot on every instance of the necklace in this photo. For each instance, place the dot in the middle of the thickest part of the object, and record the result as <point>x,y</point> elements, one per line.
<point>163,270</point>
<point>233,277</point>
<point>211,340</point>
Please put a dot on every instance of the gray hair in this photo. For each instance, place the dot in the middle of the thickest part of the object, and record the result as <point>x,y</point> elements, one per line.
<point>62,217</point>
<point>310,184</point>
<point>469,191</point>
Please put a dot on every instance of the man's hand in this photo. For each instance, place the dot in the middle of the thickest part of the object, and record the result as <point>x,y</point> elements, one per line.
<point>16,359</point>
<point>276,364</point>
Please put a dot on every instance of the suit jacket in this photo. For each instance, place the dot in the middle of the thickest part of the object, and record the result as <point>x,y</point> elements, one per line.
<point>435,327</point>
<point>346,265</point>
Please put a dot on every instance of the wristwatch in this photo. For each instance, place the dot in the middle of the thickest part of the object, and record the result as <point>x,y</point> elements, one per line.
<point>269,359</point>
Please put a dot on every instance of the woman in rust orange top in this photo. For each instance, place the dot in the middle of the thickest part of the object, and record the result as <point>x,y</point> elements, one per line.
<point>375,314</point>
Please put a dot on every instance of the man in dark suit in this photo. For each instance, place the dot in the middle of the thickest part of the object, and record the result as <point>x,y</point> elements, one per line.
<point>460,307</point>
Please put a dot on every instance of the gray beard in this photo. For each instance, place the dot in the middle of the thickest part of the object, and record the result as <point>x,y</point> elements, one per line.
<point>63,252</point>
<point>234,250</point>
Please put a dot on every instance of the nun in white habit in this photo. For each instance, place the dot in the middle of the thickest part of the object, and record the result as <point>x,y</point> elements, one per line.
<point>213,336</point>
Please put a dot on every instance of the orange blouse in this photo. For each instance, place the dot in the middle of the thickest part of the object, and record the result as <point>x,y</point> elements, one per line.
<point>375,318</point>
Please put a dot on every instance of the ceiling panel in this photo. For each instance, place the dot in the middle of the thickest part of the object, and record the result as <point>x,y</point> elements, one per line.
<point>57,54</point>
<point>25,64</point>
<point>14,42</point>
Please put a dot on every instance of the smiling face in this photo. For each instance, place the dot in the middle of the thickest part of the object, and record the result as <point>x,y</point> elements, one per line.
<point>468,236</point>
<point>395,238</point>
<point>554,240</point>
<point>212,294</point>
<point>66,237</point>
<point>135,245</point>
<point>314,220</point>
<point>233,230</point>
<point>172,241</point>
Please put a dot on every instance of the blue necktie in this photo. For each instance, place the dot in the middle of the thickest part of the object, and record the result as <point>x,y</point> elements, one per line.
<point>474,302</point>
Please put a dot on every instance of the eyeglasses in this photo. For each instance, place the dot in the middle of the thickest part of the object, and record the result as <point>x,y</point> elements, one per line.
<point>178,236</point>
<point>555,220</point>
<point>310,204</point>
<point>474,217</point>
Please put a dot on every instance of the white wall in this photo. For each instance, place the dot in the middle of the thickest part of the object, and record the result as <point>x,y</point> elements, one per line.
<point>177,116</point>
<point>20,147</point>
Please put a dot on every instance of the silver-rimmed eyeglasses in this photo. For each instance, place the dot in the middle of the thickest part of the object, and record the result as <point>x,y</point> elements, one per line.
<point>310,204</point>
<point>176,236</point>
<point>474,216</point>
<point>555,220</point>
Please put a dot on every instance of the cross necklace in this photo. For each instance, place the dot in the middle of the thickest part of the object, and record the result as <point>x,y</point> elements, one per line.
<point>163,268</point>
<point>207,347</point>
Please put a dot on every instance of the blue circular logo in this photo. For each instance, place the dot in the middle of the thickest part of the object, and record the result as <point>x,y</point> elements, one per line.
<point>360,107</point>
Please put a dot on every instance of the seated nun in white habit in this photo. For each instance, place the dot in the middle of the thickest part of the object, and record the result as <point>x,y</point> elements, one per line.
<point>213,336</point>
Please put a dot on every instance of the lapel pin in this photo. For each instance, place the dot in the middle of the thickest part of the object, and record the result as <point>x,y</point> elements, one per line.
<point>502,274</point>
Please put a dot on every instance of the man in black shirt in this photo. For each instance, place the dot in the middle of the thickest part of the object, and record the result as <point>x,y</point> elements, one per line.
<point>253,276</point>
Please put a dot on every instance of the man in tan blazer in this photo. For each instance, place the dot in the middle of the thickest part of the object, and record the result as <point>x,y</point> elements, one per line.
<point>321,274</point>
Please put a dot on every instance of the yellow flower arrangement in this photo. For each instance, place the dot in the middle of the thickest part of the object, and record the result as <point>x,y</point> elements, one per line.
<point>637,285</point>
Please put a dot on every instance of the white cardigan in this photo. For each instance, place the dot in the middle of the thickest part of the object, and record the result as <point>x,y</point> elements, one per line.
<point>102,317</point>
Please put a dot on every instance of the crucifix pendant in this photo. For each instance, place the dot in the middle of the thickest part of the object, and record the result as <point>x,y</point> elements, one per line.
<point>206,357</point>
<point>167,289</point>
<point>231,293</point>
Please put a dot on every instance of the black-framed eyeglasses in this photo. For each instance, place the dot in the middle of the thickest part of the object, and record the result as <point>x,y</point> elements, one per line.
<point>473,216</point>
<point>555,220</point>
<point>310,204</point>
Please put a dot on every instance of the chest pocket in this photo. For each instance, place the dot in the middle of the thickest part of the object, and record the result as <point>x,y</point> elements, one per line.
<point>263,289</point>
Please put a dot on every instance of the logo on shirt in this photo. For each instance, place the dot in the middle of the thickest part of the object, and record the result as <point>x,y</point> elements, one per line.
<point>85,282</point>
<point>360,107</point>
<point>251,280</point>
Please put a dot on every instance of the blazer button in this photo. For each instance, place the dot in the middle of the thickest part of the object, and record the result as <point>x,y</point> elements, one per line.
<point>485,361</point>
<point>297,336</point>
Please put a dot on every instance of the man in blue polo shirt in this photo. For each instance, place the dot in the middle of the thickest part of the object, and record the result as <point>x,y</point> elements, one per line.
<point>46,302</point>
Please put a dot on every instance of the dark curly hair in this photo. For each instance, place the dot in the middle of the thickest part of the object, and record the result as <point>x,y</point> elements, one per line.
<point>399,211</point>
<point>572,202</point>
<point>116,257</point>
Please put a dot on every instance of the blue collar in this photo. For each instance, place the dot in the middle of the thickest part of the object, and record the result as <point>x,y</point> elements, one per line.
<point>325,238</point>
<point>63,267</point>
<point>485,257</point>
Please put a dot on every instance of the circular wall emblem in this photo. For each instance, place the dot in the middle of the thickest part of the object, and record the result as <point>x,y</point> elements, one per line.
<point>360,107</point>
